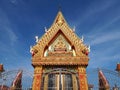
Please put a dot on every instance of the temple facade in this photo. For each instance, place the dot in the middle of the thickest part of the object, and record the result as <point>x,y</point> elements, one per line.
<point>59,59</point>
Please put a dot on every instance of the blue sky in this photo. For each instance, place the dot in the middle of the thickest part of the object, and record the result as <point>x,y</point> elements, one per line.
<point>97,20</point>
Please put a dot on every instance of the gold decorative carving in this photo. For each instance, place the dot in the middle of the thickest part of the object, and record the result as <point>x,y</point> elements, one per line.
<point>37,78</point>
<point>52,31</point>
<point>38,70</point>
<point>60,20</point>
<point>60,45</point>
<point>60,55</point>
<point>82,78</point>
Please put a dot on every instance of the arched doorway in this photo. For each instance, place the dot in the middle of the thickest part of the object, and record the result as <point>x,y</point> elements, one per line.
<point>60,79</point>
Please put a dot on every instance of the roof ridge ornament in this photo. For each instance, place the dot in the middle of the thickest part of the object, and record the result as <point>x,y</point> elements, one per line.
<point>74,29</point>
<point>45,29</point>
<point>31,50</point>
<point>88,48</point>
<point>36,39</point>
<point>82,39</point>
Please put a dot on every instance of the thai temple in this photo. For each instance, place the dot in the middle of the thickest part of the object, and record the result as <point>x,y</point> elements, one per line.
<point>60,59</point>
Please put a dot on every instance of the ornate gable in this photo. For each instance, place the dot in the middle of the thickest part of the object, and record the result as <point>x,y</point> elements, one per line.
<point>59,35</point>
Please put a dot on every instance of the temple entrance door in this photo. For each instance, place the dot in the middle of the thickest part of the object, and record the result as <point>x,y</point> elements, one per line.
<point>60,79</point>
<point>60,82</point>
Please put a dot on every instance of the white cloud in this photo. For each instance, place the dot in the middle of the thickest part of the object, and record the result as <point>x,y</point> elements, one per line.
<point>6,29</point>
<point>12,36</point>
<point>107,24</point>
<point>13,1</point>
<point>102,55</point>
<point>105,37</point>
<point>92,9</point>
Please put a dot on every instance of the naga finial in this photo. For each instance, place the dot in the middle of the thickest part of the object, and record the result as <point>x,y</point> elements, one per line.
<point>74,29</point>
<point>89,48</point>
<point>82,39</point>
<point>36,39</point>
<point>45,29</point>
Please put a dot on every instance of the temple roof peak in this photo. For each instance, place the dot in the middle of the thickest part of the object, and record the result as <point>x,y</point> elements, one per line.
<point>60,27</point>
<point>60,20</point>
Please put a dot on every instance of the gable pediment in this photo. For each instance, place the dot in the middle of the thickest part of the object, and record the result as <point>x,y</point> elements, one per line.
<point>60,42</point>
<point>59,46</point>
<point>68,35</point>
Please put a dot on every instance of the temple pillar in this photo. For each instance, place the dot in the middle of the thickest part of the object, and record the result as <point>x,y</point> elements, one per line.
<point>82,78</point>
<point>37,78</point>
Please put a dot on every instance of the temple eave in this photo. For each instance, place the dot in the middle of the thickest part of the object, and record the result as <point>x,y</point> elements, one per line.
<point>68,59</point>
<point>60,63</point>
